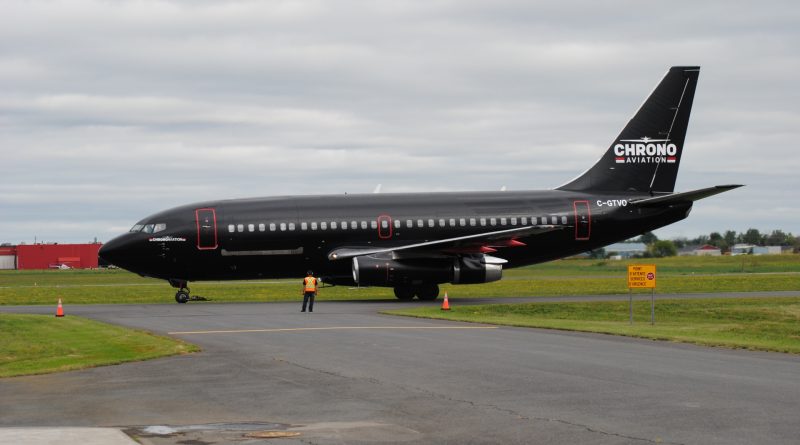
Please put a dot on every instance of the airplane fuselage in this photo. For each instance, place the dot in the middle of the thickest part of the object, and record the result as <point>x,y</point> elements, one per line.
<point>282,237</point>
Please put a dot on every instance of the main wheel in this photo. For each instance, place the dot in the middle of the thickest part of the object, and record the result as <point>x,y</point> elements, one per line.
<point>428,292</point>
<point>404,293</point>
<point>182,296</point>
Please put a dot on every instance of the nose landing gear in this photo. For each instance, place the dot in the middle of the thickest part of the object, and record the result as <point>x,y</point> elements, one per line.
<point>182,296</point>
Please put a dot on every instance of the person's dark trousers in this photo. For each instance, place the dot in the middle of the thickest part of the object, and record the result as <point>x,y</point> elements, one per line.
<point>308,299</point>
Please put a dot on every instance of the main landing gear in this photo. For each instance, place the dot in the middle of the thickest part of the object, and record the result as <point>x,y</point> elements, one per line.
<point>425,292</point>
<point>182,296</point>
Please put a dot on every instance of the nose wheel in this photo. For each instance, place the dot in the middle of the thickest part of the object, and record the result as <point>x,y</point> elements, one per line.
<point>182,296</point>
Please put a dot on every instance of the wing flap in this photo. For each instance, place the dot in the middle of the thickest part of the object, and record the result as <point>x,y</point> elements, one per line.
<point>481,242</point>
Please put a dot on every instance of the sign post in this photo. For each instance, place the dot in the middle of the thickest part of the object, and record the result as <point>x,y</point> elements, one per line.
<point>642,276</point>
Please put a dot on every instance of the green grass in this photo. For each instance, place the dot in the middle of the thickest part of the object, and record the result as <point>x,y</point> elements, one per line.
<point>38,344</point>
<point>769,324</point>
<point>562,277</point>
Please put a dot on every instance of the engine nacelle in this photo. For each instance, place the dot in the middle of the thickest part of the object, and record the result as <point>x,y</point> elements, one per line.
<point>477,269</point>
<point>372,271</point>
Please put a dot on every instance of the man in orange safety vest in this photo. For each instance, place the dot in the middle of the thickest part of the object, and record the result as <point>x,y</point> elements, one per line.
<point>310,284</point>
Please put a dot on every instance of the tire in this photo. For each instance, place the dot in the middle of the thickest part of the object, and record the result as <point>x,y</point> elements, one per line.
<point>182,297</point>
<point>428,292</point>
<point>404,293</point>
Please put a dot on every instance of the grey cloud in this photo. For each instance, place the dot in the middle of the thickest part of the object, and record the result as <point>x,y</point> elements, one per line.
<point>114,110</point>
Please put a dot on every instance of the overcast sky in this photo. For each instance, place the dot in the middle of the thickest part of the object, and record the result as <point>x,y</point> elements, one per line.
<point>113,110</point>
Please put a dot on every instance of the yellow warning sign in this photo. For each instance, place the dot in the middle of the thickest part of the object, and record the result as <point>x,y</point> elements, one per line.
<point>641,276</point>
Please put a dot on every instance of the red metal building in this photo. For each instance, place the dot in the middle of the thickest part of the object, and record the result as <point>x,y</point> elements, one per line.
<point>49,256</point>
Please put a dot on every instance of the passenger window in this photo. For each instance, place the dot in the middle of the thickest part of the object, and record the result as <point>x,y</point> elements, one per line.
<point>462,222</point>
<point>483,221</point>
<point>564,220</point>
<point>353,225</point>
<point>323,225</point>
<point>493,221</point>
<point>251,227</point>
<point>431,223</point>
<point>452,222</point>
<point>420,223</point>
<point>231,228</point>
<point>291,226</point>
<point>513,221</point>
<point>384,224</point>
<point>503,221</point>
<point>344,225</point>
<point>553,220</point>
<point>363,224</point>
<point>397,224</point>
<point>333,225</point>
<point>283,227</point>
<point>271,227</point>
<point>240,228</point>
<point>313,226</point>
<point>373,224</point>
<point>544,220</point>
<point>472,222</point>
<point>441,223</point>
<point>524,220</point>
<point>262,227</point>
<point>303,226</point>
<point>409,224</point>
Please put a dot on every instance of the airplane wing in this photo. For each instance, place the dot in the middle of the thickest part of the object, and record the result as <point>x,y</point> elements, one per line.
<point>693,195</point>
<point>479,243</point>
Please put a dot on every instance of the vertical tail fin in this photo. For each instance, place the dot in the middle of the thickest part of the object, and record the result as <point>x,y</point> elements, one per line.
<point>646,154</point>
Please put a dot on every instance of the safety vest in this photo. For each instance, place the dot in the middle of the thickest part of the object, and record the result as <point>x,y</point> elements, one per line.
<point>310,284</point>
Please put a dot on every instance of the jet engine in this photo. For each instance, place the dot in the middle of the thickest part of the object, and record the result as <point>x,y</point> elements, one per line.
<point>373,271</point>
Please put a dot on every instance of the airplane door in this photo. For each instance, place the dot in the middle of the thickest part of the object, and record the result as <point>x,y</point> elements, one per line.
<point>206,228</point>
<point>583,220</point>
<point>384,226</point>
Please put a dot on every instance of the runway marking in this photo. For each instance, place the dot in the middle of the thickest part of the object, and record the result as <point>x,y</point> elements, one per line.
<point>332,328</point>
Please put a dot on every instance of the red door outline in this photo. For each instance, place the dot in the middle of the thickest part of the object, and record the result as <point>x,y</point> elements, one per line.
<point>384,232</point>
<point>206,220</point>
<point>583,220</point>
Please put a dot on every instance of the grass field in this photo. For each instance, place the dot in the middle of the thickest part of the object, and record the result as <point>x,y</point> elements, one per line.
<point>769,324</point>
<point>37,344</point>
<point>562,277</point>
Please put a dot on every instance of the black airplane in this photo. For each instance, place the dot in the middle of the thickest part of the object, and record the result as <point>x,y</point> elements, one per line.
<point>414,242</point>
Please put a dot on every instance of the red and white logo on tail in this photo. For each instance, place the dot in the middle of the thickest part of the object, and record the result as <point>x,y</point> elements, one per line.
<point>645,151</point>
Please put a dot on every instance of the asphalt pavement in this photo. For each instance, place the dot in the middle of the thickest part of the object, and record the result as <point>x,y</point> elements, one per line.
<point>345,374</point>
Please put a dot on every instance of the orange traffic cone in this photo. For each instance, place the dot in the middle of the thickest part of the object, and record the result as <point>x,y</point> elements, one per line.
<point>445,303</point>
<point>60,309</point>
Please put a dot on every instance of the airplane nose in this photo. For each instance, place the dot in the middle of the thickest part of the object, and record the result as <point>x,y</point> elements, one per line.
<point>110,252</point>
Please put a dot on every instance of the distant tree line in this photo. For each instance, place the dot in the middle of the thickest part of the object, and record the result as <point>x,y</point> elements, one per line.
<point>725,241</point>
<point>657,248</point>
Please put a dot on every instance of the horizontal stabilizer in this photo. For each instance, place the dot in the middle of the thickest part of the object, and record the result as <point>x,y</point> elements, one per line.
<point>690,196</point>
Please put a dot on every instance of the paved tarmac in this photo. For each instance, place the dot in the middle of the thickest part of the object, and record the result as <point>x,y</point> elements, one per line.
<point>345,374</point>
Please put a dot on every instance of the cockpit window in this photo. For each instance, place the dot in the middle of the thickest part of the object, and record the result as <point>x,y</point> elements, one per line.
<point>149,228</point>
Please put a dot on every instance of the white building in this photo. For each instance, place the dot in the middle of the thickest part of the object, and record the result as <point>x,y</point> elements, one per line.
<point>767,250</point>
